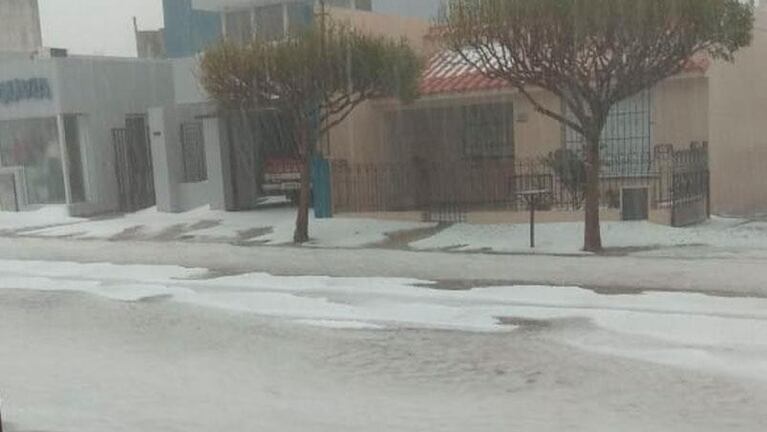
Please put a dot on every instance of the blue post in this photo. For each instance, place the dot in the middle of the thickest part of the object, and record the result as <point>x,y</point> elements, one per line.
<point>323,207</point>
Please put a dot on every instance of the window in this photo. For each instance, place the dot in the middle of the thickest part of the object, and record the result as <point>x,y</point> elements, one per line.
<point>625,143</point>
<point>238,26</point>
<point>339,3</point>
<point>366,5</point>
<point>193,153</point>
<point>299,17</point>
<point>270,22</point>
<point>488,131</point>
<point>34,145</point>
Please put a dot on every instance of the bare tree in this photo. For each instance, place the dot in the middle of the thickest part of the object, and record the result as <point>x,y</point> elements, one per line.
<point>592,54</point>
<point>316,78</point>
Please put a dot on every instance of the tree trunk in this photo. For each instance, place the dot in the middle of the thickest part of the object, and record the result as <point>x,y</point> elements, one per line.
<point>250,129</point>
<point>592,234</point>
<point>301,234</point>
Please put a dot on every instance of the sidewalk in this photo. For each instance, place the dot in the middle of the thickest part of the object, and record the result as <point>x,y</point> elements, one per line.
<point>719,237</point>
<point>273,226</point>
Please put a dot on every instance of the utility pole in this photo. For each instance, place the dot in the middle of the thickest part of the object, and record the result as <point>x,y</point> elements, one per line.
<point>323,35</point>
<point>323,29</point>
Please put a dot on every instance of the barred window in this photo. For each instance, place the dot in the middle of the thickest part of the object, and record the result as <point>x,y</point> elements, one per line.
<point>193,153</point>
<point>488,131</point>
<point>625,145</point>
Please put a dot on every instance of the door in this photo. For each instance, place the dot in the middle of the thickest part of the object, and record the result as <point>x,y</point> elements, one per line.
<point>133,165</point>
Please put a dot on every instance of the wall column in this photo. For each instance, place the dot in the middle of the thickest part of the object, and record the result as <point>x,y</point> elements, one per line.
<point>217,155</point>
<point>166,157</point>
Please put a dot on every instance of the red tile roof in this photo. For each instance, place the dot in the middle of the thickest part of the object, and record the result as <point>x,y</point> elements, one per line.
<point>448,73</point>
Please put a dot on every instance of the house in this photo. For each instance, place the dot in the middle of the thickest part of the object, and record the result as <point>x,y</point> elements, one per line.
<point>73,130</point>
<point>691,145</point>
<point>204,157</point>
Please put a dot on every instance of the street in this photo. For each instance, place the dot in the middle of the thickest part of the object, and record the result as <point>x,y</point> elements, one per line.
<point>93,347</point>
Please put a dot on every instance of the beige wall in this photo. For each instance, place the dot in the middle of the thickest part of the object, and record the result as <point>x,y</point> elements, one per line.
<point>384,131</point>
<point>535,134</point>
<point>413,29</point>
<point>362,137</point>
<point>680,116</point>
<point>738,129</point>
<point>680,111</point>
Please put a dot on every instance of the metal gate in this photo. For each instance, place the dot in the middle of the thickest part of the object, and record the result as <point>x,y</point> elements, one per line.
<point>691,186</point>
<point>133,165</point>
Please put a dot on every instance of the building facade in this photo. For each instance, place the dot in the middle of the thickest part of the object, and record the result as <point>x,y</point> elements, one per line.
<point>71,126</point>
<point>20,25</point>
<point>474,127</point>
<point>229,154</point>
<point>191,25</point>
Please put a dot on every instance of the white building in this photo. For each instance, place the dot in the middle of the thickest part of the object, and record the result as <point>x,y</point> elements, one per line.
<point>73,130</point>
<point>19,25</point>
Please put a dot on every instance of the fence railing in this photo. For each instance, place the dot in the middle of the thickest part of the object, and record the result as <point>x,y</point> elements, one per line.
<point>448,190</point>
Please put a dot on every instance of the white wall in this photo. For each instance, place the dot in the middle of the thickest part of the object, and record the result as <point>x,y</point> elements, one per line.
<point>186,81</point>
<point>105,90</point>
<point>102,91</point>
<point>14,67</point>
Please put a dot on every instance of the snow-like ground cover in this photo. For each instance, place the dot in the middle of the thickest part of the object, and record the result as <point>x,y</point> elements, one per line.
<point>273,225</point>
<point>39,218</point>
<point>725,335</point>
<point>567,238</point>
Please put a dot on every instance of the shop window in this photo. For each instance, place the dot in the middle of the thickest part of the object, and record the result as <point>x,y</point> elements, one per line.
<point>488,131</point>
<point>33,144</point>
<point>193,153</point>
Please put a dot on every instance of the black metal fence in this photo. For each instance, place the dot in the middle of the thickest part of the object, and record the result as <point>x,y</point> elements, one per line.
<point>447,191</point>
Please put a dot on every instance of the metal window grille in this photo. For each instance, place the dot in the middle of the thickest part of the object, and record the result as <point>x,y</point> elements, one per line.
<point>193,152</point>
<point>626,147</point>
<point>488,131</point>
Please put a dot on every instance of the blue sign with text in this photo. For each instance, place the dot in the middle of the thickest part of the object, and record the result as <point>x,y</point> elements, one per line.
<point>17,90</point>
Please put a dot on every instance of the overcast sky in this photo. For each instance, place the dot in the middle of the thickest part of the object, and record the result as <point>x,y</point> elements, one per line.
<point>105,27</point>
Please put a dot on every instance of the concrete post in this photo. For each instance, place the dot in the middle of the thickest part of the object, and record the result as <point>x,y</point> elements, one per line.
<point>218,164</point>
<point>166,157</point>
<point>62,137</point>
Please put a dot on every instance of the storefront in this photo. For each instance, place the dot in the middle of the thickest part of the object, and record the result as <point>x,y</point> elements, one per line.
<point>58,118</point>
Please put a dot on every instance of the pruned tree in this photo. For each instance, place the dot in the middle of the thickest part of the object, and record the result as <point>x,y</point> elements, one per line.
<point>316,78</point>
<point>592,54</point>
